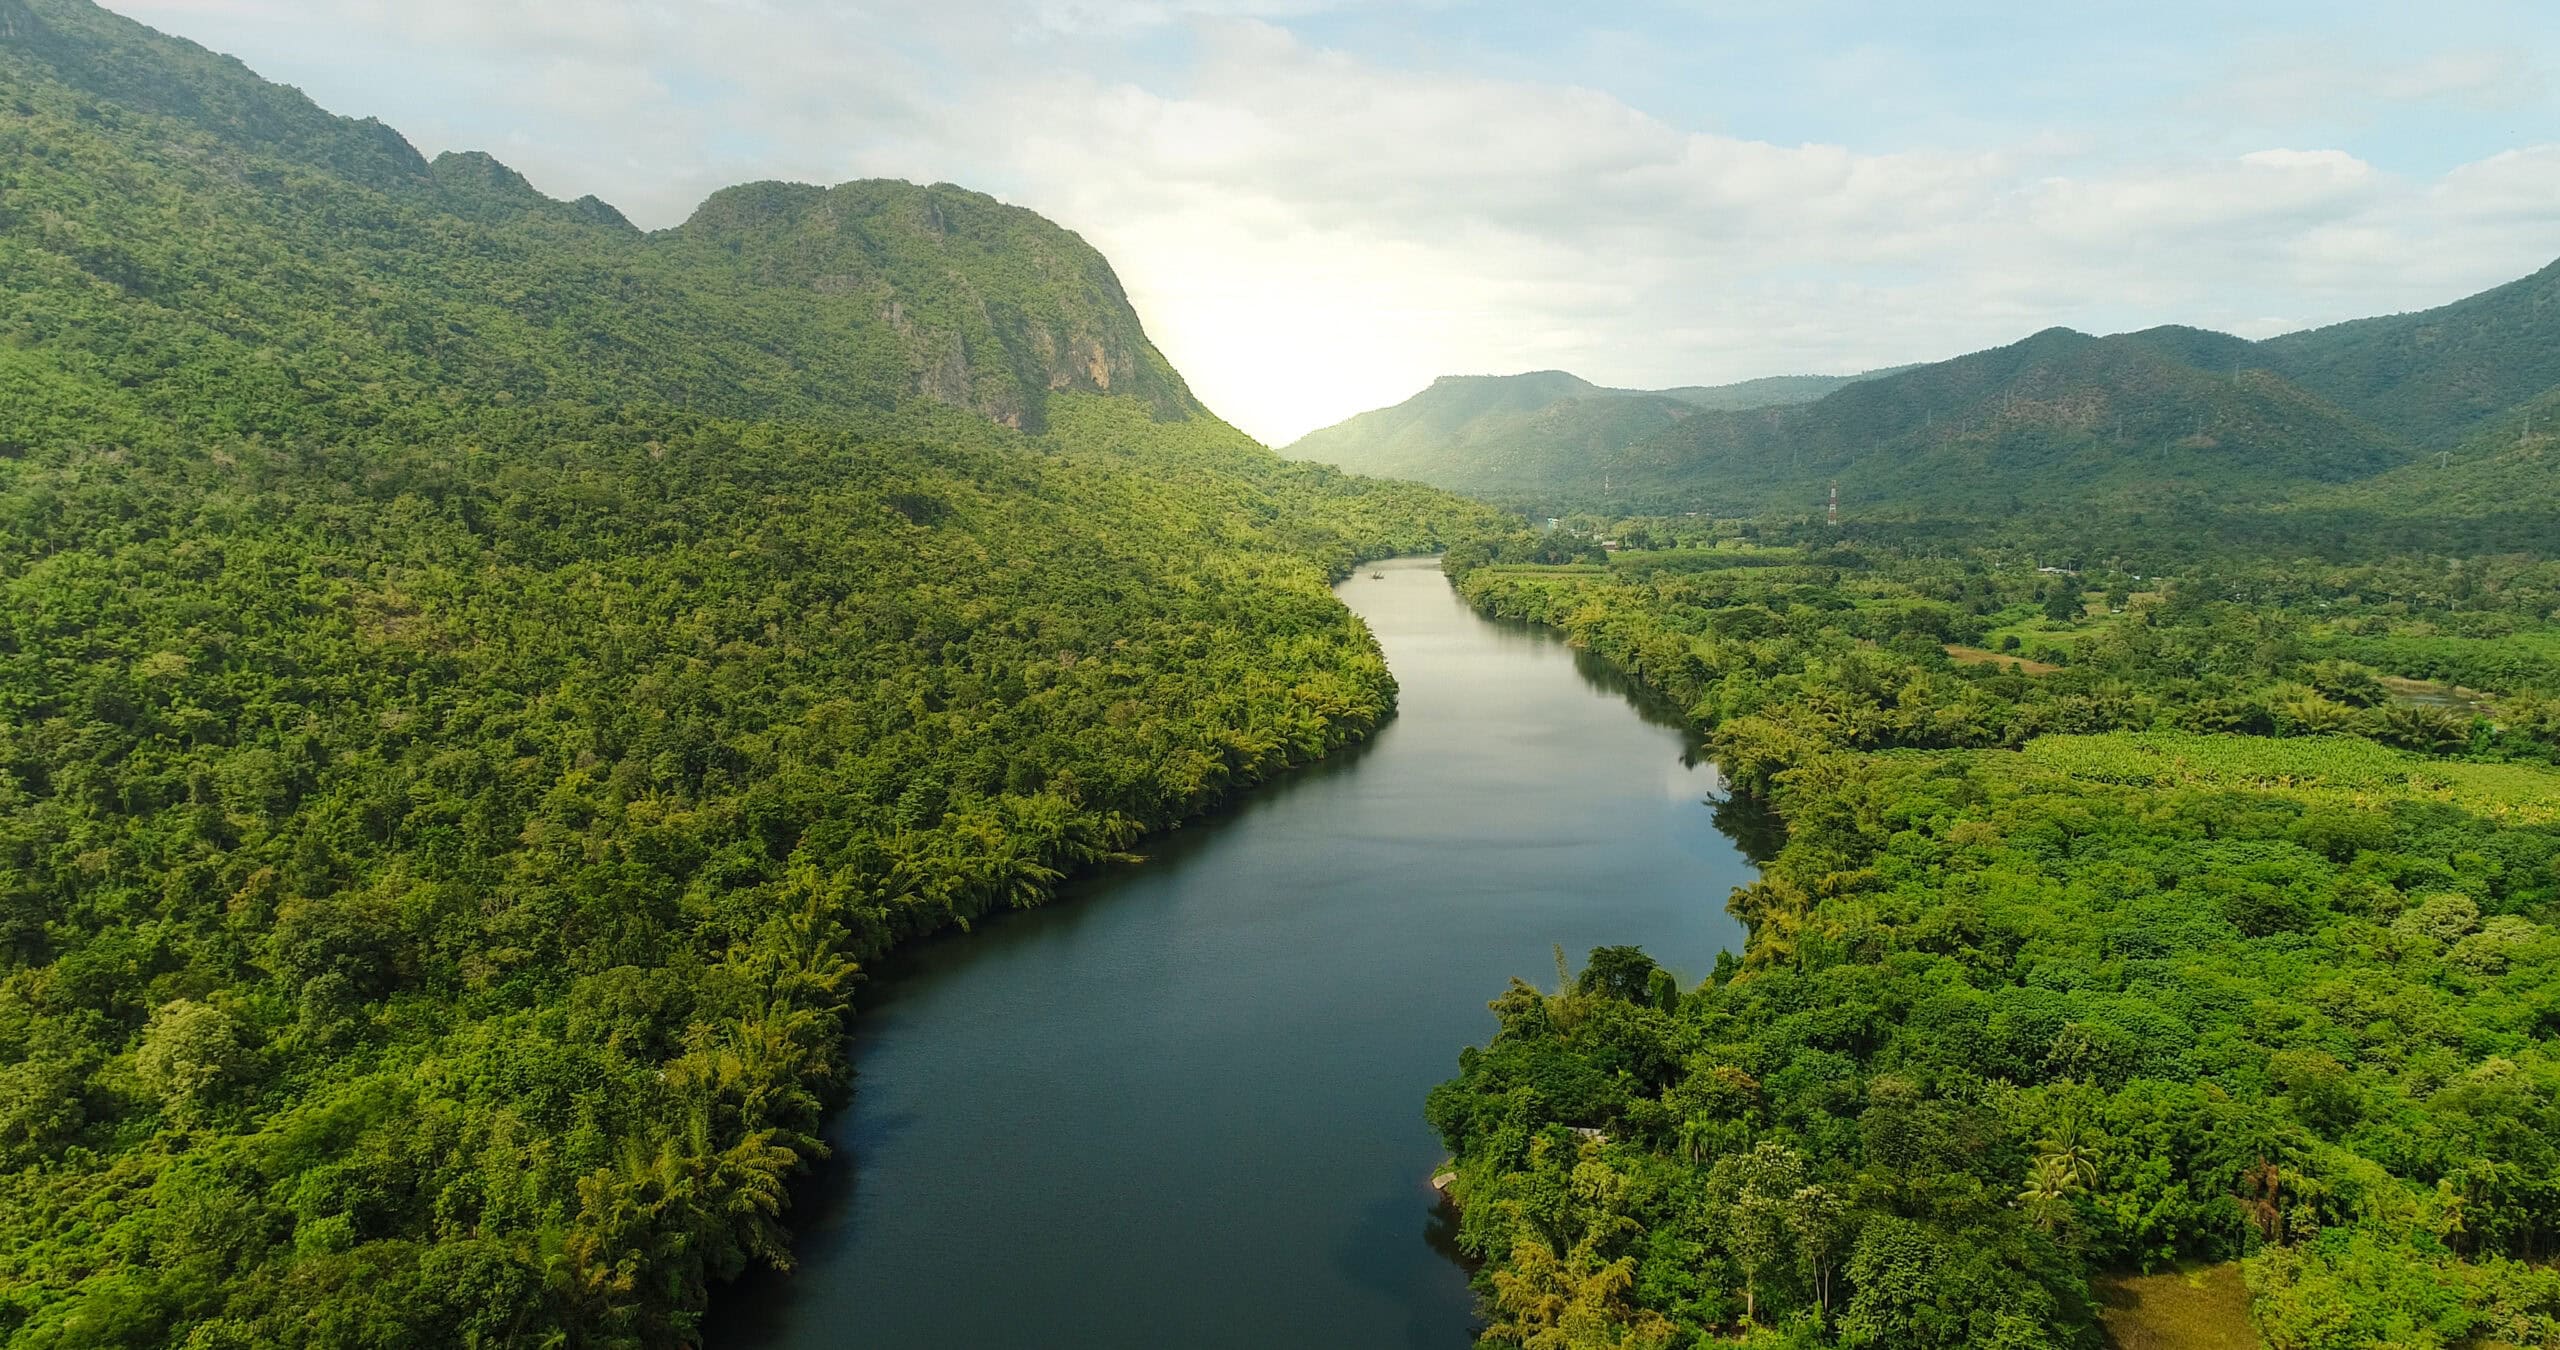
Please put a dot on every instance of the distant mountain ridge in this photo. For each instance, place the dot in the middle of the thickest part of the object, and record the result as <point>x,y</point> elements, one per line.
<point>1505,433</point>
<point>2172,415</point>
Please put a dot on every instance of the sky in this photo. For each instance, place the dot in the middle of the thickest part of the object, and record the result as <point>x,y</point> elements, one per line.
<point>1319,207</point>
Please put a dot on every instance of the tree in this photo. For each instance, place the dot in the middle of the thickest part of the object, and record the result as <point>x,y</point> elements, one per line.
<point>2049,1187</point>
<point>1618,972</point>
<point>1765,1184</point>
<point>1898,1299</point>
<point>2068,1148</point>
<point>1579,1301</point>
<point>1820,1220</point>
<point>190,1053</point>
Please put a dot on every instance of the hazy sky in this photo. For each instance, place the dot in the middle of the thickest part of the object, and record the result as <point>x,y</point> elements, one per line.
<point>1318,207</point>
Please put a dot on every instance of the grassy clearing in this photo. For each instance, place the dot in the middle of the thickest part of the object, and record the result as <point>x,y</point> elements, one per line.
<point>1544,570</point>
<point>2202,1309</point>
<point>2028,624</point>
<point>1977,656</point>
<point>2327,766</point>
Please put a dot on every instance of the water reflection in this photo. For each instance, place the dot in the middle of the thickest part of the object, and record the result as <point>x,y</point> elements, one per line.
<point>1183,1106</point>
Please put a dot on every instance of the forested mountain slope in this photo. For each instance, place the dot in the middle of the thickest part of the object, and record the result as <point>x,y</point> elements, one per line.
<point>2172,418</point>
<point>2497,490</point>
<point>2060,416</point>
<point>475,679</point>
<point>2436,376</point>
<point>1517,433</point>
<point>221,231</point>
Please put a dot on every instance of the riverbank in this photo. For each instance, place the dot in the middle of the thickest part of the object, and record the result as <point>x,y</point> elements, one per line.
<point>2044,985</point>
<point>1183,1100</point>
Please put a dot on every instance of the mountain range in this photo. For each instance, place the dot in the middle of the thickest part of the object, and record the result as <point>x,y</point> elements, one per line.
<point>1507,434</point>
<point>2167,416</point>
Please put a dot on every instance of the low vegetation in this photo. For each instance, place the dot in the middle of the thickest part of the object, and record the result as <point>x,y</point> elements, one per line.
<point>2206,1308</point>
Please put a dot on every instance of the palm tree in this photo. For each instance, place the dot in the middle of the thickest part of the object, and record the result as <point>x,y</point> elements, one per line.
<point>2068,1150</point>
<point>2050,1183</point>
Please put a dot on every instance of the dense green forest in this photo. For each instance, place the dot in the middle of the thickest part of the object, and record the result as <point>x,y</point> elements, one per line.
<point>2196,425</point>
<point>477,681</point>
<point>2118,923</point>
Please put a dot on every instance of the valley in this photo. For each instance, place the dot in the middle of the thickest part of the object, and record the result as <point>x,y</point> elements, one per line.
<point>783,779</point>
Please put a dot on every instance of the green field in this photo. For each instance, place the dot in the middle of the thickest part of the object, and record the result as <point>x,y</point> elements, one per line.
<point>2202,1309</point>
<point>2334,766</point>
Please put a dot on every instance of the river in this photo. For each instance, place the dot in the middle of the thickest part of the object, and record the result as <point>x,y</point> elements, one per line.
<point>1182,1106</point>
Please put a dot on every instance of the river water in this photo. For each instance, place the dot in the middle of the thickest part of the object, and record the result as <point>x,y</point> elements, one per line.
<point>1182,1106</point>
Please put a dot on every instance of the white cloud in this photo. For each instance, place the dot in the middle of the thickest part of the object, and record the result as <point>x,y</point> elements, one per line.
<point>2488,77</point>
<point>1309,233</point>
<point>2298,80</point>
<point>1108,15</point>
<point>2519,186</point>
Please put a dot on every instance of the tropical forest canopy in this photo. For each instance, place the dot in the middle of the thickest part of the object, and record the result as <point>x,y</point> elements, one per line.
<point>477,680</point>
<point>2118,923</point>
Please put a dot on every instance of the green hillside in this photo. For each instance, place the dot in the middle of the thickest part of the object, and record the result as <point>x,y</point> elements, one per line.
<point>1768,391</point>
<point>1516,435</point>
<point>2496,491</point>
<point>2437,376</point>
<point>2058,417</point>
<point>774,299</point>
<point>2171,418</point>
<point>476,680</point>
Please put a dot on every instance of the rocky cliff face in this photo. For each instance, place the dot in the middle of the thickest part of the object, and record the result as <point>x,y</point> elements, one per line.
<point>821,299</point>
<point>989,307</point>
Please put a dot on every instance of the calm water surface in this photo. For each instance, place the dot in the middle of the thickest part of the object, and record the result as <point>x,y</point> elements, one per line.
<point>1182,1107</point>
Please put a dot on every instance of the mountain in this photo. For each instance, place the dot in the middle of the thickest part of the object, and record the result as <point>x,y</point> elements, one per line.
<point>2173,417</point>
<point>2433,378</point>
<point>1509,433</point>
<point>775,299</point>
<point>1768,391</point>
<point>478,680</point>
<point>979,305</point>
<point>2498,491</point>
<point>2058,417</point>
